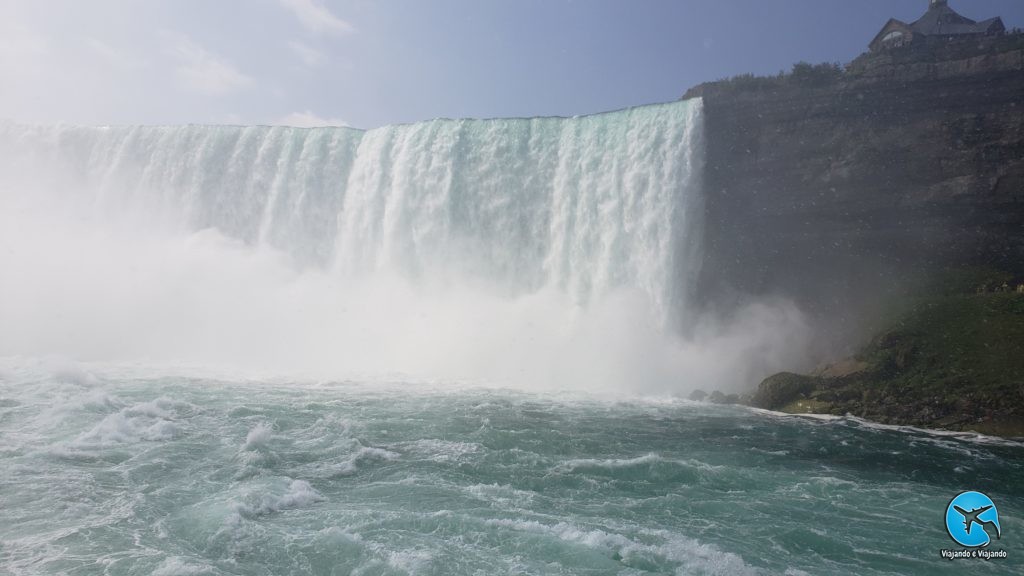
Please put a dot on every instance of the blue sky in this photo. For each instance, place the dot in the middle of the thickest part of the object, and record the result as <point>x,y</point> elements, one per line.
<point>372,62</point>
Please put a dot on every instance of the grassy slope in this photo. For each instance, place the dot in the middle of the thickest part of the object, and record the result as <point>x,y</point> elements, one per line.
<point>953,361</point>
<point>973,343</point>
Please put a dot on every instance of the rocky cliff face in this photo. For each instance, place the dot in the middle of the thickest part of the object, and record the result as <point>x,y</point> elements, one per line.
<point>837,191</point>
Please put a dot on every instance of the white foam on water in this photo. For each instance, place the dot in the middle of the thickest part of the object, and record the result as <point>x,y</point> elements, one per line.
<point>145,421</point>
<point>966,436</point>
<point>938,437</point>
<point>503,496</point>
<point>363,455</point>
<point>180,566</point>
<point>647,460</point>
<point>691,555</point>
<point>258,437</point>
<point>440,450</point>
<point>299,494</point>
<point>410,561</point>
<point>609,463</point>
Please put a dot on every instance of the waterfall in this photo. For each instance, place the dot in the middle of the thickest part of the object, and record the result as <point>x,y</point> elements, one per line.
<point>583,207</point>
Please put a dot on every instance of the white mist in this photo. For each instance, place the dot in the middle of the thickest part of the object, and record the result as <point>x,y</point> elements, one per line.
<point>550,253</point>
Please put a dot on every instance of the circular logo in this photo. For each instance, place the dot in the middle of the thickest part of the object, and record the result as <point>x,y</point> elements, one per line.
<point>972,520</point>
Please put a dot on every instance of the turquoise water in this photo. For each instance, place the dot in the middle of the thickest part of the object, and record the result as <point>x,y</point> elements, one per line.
<point>117,474</point>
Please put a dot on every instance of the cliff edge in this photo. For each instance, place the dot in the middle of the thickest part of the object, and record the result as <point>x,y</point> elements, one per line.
<point>844,188</point>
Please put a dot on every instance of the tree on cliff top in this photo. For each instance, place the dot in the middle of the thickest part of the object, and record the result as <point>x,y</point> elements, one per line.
<point>816,74</point>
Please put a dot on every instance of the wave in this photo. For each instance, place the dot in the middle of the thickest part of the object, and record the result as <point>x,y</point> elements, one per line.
<point>689,555</point>
<point>929,434</point>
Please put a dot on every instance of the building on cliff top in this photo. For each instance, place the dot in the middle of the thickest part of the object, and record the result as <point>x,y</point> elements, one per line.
<point>940,21</point>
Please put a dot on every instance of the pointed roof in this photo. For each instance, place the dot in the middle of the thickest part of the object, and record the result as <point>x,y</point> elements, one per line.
<point>941,20</point>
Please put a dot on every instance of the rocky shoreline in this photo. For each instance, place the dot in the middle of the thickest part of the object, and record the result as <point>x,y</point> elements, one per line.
<point>949,363</point>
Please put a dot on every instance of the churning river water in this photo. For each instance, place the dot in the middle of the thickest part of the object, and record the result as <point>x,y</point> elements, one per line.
<point>116,472</point>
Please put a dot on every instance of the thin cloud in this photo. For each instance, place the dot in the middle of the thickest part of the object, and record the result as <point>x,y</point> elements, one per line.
<point>308,119</point>
<point>316,17</point>
<point>310,57</point>
<point>203,72</point>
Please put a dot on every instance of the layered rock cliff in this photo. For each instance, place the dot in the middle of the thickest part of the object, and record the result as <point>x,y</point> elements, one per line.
<point>840,188</point>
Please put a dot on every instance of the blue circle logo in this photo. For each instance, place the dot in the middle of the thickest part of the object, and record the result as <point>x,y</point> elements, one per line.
<point>972,520</point>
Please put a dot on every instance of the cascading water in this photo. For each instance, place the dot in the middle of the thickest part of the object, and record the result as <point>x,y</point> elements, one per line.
<point>586,204</point>
<point>582,204</point>
<point>501,246</point>
<point>281,187</point>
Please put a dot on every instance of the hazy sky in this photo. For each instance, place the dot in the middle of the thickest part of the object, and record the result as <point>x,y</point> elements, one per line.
<point>374,62</point>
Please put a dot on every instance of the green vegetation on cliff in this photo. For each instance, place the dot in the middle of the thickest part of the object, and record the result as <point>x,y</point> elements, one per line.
<point>952,361</point>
